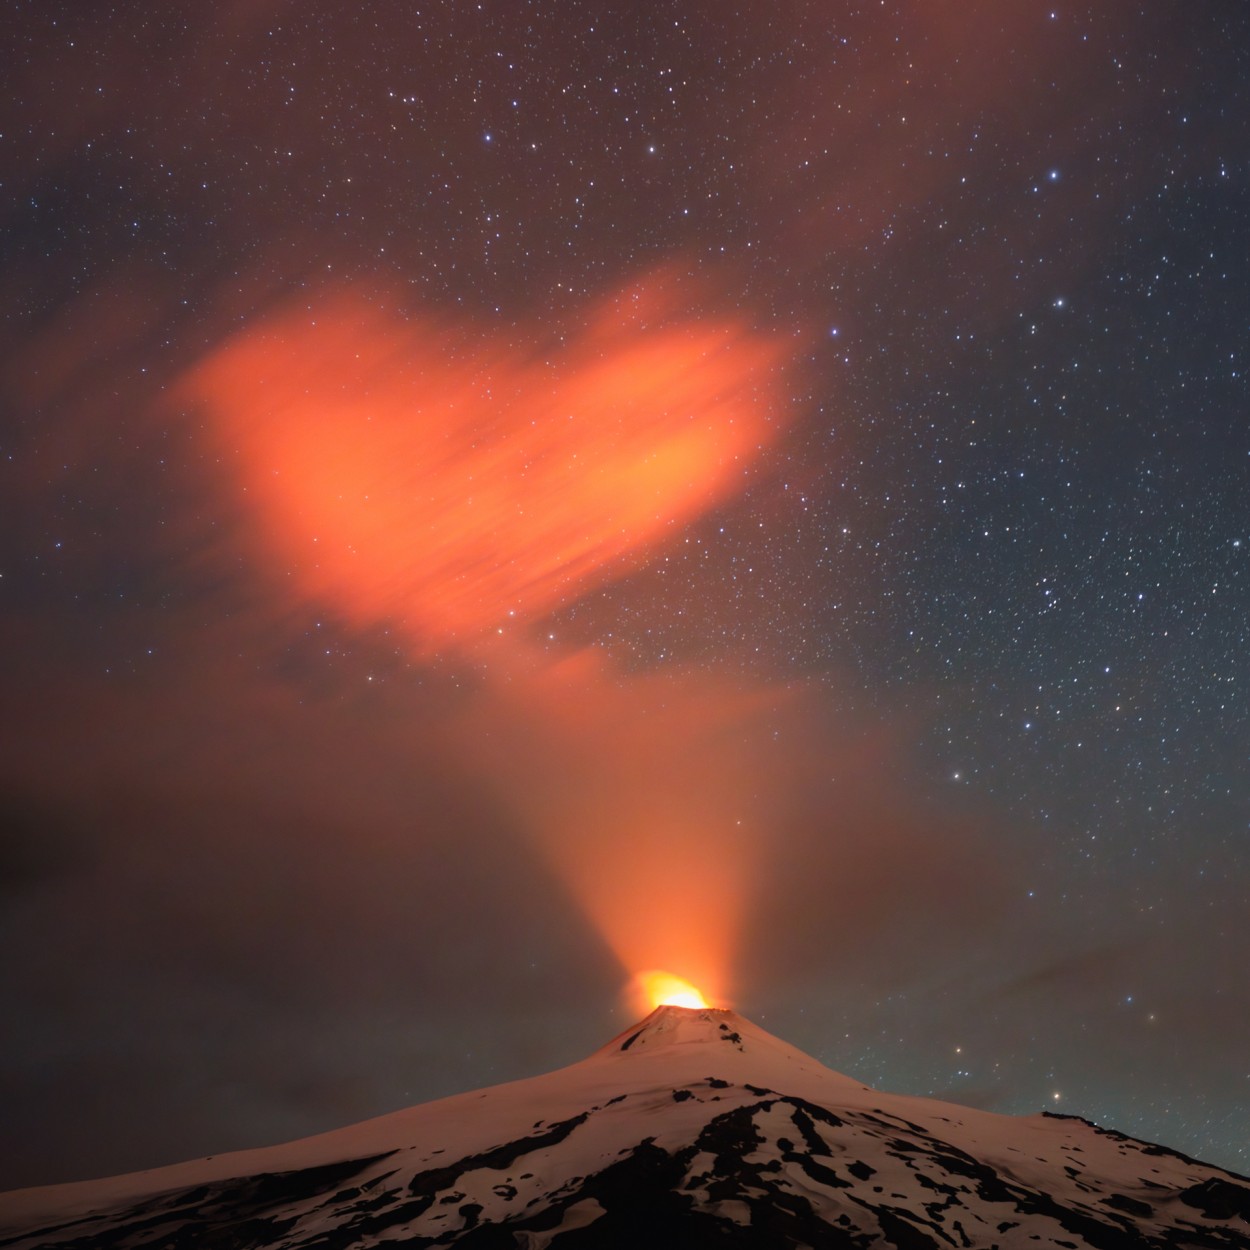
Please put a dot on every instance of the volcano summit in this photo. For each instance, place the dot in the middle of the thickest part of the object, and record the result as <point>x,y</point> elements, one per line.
<point>694,1128</point>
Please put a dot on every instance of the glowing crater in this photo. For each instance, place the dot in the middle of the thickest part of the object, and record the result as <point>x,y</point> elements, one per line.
<point>664,989</point>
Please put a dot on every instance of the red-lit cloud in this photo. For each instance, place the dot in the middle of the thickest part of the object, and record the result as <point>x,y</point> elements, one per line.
<point>416,470</point>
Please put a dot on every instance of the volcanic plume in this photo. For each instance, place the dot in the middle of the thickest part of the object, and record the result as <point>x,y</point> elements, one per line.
<point>456,485</point>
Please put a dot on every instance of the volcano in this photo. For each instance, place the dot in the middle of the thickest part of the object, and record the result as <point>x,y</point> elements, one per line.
<point>694,1128</point>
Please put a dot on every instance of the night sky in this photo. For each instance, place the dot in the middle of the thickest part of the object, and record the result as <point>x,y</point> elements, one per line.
<point>497,496</point>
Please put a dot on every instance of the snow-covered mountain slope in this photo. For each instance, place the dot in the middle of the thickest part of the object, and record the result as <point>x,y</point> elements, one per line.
<point>694,1128</point>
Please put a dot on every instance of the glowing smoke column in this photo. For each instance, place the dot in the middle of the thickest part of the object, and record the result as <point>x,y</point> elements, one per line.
<point>411,471</point>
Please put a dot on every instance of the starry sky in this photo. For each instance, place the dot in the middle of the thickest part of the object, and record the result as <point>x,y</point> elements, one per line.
<point>496,496</point>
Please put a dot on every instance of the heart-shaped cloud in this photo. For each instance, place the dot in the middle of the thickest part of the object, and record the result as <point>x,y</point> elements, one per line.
<point>416,470</point>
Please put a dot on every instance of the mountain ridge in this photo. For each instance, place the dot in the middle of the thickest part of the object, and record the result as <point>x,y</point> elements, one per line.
<point>693,1127</point>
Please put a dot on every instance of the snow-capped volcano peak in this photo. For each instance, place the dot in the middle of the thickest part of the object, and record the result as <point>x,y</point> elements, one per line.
<point>694,1127</point>
<point>670,1025</point>
<point>708,1036</point>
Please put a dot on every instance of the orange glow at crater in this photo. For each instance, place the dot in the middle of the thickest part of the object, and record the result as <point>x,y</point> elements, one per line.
<point>664,989</point>
<point>458,481</point>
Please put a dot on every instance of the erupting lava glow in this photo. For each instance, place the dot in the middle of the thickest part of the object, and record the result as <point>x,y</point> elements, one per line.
<point>664,989</point>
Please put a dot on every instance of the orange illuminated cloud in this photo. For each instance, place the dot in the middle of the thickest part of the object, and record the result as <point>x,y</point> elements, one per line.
<point>413,469</point>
